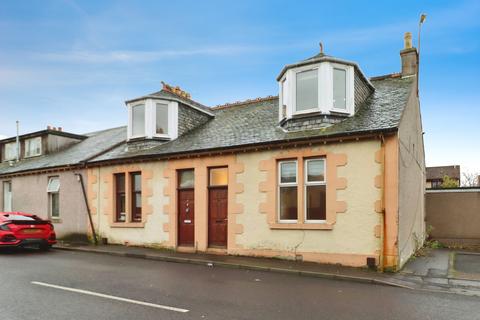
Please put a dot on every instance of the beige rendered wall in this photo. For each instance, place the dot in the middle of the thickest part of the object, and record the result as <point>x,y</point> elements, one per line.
<point>352,234</point>
<point>356,232</point>
<point>29,194</point>
<point>150,231</point>
<point>412,179</point>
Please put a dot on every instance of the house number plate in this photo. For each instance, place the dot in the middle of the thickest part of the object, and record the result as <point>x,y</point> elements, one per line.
<point>187,221</point>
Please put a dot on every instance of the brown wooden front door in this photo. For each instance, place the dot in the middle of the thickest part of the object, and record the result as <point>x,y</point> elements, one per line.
<point>218,216</point>
<point>186,217</point>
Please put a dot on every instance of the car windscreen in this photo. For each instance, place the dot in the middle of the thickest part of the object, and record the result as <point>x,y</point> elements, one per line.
<point>17,217</point>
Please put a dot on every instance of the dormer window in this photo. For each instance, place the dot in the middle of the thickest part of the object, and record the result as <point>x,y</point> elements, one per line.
<point>138,120</point>
<point>164,115</point>
<point>153,118</point>
<point>307,90</point>
<point>321,87</point>
<point>10,150</point>
<point>161,116</point>
<point>33,147</point>
<point>339,88</point>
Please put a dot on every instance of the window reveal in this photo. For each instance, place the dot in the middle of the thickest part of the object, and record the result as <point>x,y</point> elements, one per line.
<point>288,191</point>
<point>136,181</point>
<point>120,200</point>
<point>315,190</point>
<point>53,190</point>
<point>307,90</point>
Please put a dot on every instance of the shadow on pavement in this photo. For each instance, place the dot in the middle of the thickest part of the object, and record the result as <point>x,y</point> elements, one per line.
<point>23,251</point>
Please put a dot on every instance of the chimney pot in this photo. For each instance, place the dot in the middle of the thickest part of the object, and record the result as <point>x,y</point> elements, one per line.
<point>409,56</point>
<point>60,129</point>
<point>49,127</point>
<point>407,40</point>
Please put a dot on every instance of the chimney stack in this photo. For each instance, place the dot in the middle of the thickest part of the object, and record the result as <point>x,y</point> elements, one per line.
<point>409,56</point>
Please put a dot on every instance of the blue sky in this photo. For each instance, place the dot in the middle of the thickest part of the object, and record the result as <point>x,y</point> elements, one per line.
<point>73,63</point>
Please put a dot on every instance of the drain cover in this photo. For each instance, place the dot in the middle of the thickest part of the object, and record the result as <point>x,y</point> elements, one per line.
<point>467,263</point>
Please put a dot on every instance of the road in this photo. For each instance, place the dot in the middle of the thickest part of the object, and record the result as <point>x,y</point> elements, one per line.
<point>73,285</point>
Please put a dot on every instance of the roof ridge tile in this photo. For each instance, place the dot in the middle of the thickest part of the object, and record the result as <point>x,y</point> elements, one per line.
<point>244,102</point>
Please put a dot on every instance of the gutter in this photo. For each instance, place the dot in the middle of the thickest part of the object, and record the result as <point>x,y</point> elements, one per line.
<point>89,213</point>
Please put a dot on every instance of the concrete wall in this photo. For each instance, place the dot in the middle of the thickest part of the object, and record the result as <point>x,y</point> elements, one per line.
<point>351,235</point>
<point>454,215</point>
<point>29,194</point>
<point>412,174</point>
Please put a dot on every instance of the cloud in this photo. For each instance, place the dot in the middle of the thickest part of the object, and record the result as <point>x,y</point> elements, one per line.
<point>145,56</point>
<point>439,24</point>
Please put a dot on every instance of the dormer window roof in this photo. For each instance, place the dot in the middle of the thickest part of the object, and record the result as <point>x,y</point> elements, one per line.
<point>38,143</point>
<point>160,115</point>
<point>320,85</point>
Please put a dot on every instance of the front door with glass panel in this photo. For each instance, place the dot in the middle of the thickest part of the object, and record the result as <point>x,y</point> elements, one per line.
<point>186,208</point>
<point>218,207</point>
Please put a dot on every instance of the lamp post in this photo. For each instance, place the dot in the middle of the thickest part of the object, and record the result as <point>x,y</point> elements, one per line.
<point>422,20</point>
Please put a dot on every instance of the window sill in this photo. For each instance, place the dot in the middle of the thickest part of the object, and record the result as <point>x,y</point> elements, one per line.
<point>307,113</point>
<point>301,226</point>
<point>33,156</point>
<point>137,138</point>
<point>341,112</point>
<point>127,225</point>
<point>162,137</point>
<point>56,220</point>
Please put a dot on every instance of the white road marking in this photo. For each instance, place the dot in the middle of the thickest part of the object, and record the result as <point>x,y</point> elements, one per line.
<point>106,296</point>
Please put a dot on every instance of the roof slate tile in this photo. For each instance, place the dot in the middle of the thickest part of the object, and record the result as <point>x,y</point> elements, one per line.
<point>257,122</point>
<point>96,143</point>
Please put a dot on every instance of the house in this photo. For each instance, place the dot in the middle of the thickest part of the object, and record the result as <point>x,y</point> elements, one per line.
<point>435,175</point>
<point>331,170</point>
<point>44,176</point>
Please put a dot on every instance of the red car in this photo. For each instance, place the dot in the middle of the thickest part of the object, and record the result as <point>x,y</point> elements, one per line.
<point>18,229</point>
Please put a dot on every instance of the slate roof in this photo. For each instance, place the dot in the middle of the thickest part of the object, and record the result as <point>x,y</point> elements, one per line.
<point>171,96</point>
<point>321,57</point>
<point>95,143</point>
<point>440,172</point>
<point>257,123</point>
<point>43,132</point>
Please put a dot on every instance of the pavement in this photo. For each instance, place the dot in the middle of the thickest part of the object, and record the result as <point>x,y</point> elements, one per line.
<point>77,285</point>
<point>440,270</point>
<point>330,271</point>
<point>449,270</point>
